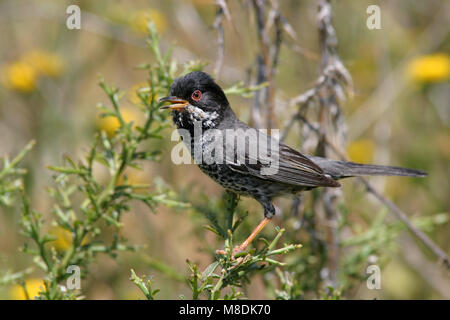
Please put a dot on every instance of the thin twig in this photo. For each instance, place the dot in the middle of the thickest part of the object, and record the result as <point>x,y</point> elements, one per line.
<point>333,72</point>
<point>220,37</point>
<point>329,109</point>
<point>268,59</point>
<point>437,251</point>
<point>262,62</point>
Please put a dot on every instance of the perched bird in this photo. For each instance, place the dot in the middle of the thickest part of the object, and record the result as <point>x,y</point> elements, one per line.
<point>196,100</point>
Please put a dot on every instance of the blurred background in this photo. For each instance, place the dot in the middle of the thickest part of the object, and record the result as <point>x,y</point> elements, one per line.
<point>399,115</point>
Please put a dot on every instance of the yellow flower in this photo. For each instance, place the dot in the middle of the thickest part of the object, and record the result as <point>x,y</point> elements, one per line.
<point>33,288</point>
<point>111,124</point>
<point>133,92</point>
<point>23,74</point>
<point>361,151</point>
<point>108,124</point>
<point>20,76</point>
<point>135,177</point>
<point>45,63</point>
<point>141,18</point>
<point>63,238</point>
<point>430,68</point>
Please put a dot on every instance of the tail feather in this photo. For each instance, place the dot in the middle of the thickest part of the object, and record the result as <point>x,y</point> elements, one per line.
<point>343,169</point>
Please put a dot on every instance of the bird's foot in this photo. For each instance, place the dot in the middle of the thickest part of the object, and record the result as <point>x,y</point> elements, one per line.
<point>235,251</point>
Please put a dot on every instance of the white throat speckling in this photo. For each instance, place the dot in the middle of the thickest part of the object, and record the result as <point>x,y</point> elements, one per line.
<point>197,114</point>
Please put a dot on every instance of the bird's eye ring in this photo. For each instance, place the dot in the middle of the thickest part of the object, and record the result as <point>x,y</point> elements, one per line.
<point>196,95</point>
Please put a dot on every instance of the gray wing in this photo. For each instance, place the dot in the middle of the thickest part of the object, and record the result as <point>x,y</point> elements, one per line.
<point>279,163</point>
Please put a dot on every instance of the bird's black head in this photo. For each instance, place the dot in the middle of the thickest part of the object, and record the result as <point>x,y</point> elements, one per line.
<point>196,97</point>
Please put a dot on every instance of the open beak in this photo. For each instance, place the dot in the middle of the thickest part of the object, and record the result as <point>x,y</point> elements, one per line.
<point>176,103</point>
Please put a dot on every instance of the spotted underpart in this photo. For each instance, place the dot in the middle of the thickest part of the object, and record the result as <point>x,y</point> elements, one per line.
<point>261,190</point>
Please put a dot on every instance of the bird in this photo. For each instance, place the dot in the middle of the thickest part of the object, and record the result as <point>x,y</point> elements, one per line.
<point>198,103</point>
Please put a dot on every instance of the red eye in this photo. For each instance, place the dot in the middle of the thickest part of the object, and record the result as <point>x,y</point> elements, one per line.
<point>196,95</point>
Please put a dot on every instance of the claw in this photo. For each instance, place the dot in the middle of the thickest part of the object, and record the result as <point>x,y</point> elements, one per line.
<point>235,252</point>
<point>218,251</point>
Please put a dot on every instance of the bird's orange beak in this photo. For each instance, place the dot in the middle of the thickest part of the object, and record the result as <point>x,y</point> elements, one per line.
<point>177,103</point>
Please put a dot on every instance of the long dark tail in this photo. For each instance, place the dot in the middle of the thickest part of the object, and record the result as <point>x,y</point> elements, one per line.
<point>343,169</point>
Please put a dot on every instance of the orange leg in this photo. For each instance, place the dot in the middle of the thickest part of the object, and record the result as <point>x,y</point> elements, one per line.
<point>250,238</point>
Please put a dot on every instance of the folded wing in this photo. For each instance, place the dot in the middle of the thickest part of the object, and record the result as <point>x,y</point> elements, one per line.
<point>274,161</point>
